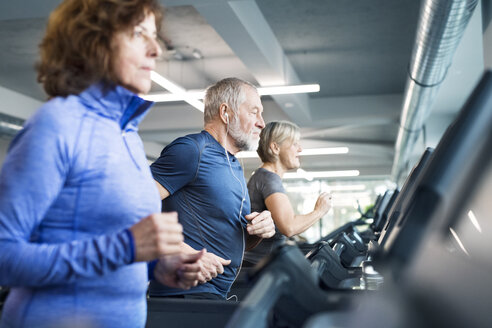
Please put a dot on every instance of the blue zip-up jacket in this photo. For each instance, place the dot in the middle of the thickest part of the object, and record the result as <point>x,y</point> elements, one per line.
<point>75,178</point>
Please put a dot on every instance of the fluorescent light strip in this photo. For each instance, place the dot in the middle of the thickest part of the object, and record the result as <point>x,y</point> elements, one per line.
<point>342,196</point>
<point>302,189</point>
<point>346,189</point>
<point>11,126</point>
<point>458,240</point>
<point>321,174</point>
<point>247,154</point>
<point>175,89</point>
<point>359,187</point>
<point>163,97</point>
<point>288,89</point>
<point>347,202</point>
<point>305,152</point>
<point>303,174</point>
<point>183,95</point>
<point>474,220</point>
<point>324,151</point>
<point>168,97</point>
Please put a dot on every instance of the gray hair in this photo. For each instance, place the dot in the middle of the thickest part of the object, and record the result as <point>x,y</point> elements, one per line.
<point>278,132</point>
<point>227,91</point>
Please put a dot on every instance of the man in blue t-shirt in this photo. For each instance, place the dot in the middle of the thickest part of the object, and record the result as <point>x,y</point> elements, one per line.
<point>199,177</point>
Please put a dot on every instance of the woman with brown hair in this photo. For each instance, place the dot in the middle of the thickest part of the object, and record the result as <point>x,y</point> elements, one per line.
<point>79,210</point>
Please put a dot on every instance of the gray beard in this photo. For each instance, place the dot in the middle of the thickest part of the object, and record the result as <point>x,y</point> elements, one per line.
<point>241,140</point>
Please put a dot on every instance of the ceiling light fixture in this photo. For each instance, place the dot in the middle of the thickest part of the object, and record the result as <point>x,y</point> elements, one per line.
<point>168,97</point>
<point>288,89</point>
<point>324,151</point>
<point>356,195</point>
<point>358,187</point>
<point>178,55</point>
<point>174,89</point>
<point>458,240</point>
<point>197,54</point>
<point>11,126</point>
<point>474,220</point>
<point>321,174</point>
<point>344,189</point>
<point>305,152</point>
<point>303,174</point>
<point>183,95</point>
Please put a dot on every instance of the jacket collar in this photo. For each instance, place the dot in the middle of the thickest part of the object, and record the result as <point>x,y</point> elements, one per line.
<point>116,103</point>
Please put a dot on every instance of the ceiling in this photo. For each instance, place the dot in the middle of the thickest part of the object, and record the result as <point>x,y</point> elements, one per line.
<point>358,51</point>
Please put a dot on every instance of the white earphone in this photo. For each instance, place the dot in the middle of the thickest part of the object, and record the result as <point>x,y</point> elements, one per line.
<point>243,187</point>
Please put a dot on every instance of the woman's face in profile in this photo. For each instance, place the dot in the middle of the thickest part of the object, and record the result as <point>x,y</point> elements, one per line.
<point>289,154</point>
<point>136,53</point>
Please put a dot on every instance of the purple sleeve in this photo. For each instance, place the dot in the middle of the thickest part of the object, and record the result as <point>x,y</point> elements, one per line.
<point>31,179</point>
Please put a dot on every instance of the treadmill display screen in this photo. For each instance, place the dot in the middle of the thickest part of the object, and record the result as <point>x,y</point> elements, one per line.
<point>471,234</point>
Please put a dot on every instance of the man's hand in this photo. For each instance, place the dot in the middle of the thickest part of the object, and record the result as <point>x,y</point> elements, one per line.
<point>180,270</point>
<point>211,264</point>
<point>260,224</point>
<point>157,235</point>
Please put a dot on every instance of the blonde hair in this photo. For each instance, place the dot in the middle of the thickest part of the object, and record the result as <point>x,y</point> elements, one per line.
<point>278,132</point>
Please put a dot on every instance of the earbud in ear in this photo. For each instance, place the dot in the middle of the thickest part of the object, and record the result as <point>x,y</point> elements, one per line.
<point>227,118</point>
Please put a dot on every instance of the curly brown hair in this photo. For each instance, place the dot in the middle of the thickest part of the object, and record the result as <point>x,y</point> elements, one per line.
<point>77,49</point>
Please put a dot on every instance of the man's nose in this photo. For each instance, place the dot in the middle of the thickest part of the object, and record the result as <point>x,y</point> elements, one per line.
<point>261,122</point>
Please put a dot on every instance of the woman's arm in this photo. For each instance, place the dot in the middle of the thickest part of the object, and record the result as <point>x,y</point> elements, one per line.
<point>32,177</point>
<point>286,221</point>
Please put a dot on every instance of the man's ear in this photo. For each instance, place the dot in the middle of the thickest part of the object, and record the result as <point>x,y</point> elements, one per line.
<point>224,116</point>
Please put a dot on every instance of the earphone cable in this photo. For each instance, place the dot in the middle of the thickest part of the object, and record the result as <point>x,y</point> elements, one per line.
<point>243,187</point>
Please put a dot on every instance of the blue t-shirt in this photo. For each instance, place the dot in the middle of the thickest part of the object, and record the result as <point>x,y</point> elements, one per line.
<point>207,191</point>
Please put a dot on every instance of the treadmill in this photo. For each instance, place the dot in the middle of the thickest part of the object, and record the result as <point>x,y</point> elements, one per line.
<point>467,141</point>
<point>445,281</point>
<point>406,191</point>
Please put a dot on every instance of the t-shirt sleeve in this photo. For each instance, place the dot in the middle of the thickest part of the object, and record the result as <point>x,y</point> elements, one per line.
<point>178,164</point>
<point>270,184</point>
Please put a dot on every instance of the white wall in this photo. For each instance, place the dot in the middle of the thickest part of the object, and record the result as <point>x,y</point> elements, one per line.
<point>16,104</point>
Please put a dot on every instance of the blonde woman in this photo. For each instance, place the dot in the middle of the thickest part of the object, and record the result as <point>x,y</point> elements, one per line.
<point>279,150</point>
